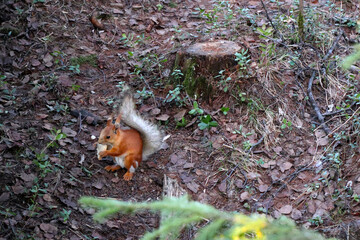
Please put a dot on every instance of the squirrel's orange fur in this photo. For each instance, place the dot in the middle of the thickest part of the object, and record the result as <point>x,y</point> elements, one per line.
<point>129,146</point>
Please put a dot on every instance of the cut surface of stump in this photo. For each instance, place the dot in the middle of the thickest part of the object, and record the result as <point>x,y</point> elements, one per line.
<point>214,49</point>
<point>201,62</point>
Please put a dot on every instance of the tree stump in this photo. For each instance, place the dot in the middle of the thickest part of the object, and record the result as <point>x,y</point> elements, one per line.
<point>201,62</point>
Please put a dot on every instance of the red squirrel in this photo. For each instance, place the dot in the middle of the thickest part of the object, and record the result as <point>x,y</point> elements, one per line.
<point>128,146</point>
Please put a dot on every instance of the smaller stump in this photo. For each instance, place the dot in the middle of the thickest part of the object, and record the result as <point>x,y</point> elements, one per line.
<point>201,62</point>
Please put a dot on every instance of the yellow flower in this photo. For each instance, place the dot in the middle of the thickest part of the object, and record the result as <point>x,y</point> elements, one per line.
<point>245,226</point>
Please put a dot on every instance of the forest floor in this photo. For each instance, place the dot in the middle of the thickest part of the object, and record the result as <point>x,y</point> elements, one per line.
<point>267,154</point>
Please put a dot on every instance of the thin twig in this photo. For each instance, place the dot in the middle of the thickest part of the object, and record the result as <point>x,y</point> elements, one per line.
<point>80,123</point>
<point>339,111</point>
<point>269,19</point>
<point>247,156</point>
<point>313,103</point>
<point>328,54</point>
<point>333,46</point>
<point>346,121</point>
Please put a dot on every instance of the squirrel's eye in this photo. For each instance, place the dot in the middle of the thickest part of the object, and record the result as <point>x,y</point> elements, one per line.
<point>107,137</point>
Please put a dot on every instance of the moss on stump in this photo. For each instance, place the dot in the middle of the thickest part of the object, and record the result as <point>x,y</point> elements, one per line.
<point>201,62</point>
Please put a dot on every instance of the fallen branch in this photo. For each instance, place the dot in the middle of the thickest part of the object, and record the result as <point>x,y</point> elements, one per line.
<point>313,103</point>
<point>328,54</point>
<point>333,46</point>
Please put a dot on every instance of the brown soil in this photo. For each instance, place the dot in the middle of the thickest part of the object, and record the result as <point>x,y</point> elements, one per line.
<point>43,87</point>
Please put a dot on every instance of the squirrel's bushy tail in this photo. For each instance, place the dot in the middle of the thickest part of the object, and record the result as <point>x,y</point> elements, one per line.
<point>150,133</point>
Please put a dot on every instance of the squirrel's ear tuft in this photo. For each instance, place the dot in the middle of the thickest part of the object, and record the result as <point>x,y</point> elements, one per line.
<point>117,121</point>
<point>109,121</point>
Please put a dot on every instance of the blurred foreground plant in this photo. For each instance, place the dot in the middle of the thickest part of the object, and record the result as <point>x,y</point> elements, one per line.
<point>216,224</point>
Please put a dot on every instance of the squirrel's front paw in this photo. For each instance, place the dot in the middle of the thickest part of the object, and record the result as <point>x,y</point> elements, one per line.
<point>102,154</point>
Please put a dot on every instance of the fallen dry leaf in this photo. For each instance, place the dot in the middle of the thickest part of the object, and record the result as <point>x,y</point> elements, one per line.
<point>155,111</point>
<point>188,165</point>
<point>27,177</point>
<point>222,187</point>
<point>285,166</point>
<point>98,185</point>
<point>322,141</point>
<point>4,196</point>
<point>163,117</point>
<point>179,115</point>
<point>244,196</point>
<point>48,228</point>
<point>312,150</point>
<point>41,116</point>
<point>69,132</point>
<point>47,197</point>
<point>285,209</point>
<point>296,214</point>
<point>35,62</point>
<point>277,150</point>
<point>18,188</point>
<point>263,187</point>
<point>194,187</point>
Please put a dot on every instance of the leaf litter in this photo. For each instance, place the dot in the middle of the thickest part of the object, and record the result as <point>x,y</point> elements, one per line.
<point>203,171</point>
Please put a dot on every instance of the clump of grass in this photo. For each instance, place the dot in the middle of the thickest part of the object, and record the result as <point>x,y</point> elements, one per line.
<point>87,59</point>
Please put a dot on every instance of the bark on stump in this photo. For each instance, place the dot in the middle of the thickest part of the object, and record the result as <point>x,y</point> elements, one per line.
<point>201,62</point>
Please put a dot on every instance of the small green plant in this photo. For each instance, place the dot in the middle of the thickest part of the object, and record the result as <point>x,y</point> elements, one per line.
<point>127,41</point>
<point>177,75</point>
<point>225,110</point>
<point>267,49</point>
<point>173,4</point>
<point>334,159</point>
<point>7,213</point>
<point>317,221</point>
<point>240,131</point>
<point>181,123</point>
<point>75,68</point>
<point>206,122</point>
<point>265,32</point>
<point>58,57</point>
<point>243,59</point>
<point>145,94</point>
<point>110,101</point>
<point>87,59</point>
<point>75,87</point>
<point>2,82</point>
<point>356,197</point>
<point>42,159</point>
<point>286,124</point>
<point>121,84</point>
<point>159,7</point>
<point>221,225</point>
<point>196,110</point>
<point>174,96</point>
<point>313,187</point>
<point>247,16</point>
<point>65,215</point>
<point>224,82</point>
<point>43,164</point>
<point>9,94</point>
<point>59,108</point>
<point>242,96</point>
<point>36,191</point>
<point>247,145</point>
<point>260,162</point>
<point>351,59</point>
